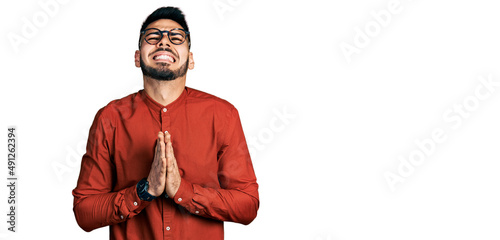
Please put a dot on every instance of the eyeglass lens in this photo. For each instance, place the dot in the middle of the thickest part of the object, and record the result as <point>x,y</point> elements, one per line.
<point>176,36</point>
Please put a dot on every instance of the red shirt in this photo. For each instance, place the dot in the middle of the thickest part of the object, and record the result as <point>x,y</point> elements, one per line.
<point>218,181</point>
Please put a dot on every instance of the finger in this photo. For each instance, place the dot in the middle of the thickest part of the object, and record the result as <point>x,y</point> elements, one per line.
<point>163,169</point>
<point>172,164</point>
<point>161,140</point>
<point>168,144</point>
<point>162,161</point>
<point>157,148</point>
<point>168,137</point>
<point>160,136</point>
<point>158,141</point>
<point>170,157</point>
<point>171,147</point>
<point>169,150</point>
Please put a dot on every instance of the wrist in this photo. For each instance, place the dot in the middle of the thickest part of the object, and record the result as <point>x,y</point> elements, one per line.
<point>143,190</point>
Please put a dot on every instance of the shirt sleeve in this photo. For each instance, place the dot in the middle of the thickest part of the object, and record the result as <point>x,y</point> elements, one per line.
<point>237,199</point>
<point>95,204</point>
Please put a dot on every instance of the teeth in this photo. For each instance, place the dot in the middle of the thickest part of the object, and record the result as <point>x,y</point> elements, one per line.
<point>166,57</point>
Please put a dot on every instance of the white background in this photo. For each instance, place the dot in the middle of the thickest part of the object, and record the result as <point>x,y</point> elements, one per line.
<point>322,171</point>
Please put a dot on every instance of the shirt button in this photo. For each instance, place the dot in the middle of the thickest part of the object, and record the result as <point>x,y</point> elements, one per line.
<point>164,109</point>
<point>168,228</point>
<point>135,203</point>
<point>121,216</point>
<point>179,199</point>
<point>197,212</point>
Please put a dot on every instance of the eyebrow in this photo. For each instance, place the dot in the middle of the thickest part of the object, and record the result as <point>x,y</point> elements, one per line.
<point>166,29</point>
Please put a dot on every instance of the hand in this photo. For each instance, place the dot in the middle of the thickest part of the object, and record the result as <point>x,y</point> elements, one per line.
<point>173,181</point>
<point>157,174</point>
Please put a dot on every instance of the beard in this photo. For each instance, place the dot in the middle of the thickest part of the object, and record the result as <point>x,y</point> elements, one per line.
<point>163,73</point>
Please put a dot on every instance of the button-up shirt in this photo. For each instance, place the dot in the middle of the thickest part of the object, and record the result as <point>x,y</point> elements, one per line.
<point>218,182</point>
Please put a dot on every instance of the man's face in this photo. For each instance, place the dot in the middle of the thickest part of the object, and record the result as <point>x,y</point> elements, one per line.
<point>164,60</point>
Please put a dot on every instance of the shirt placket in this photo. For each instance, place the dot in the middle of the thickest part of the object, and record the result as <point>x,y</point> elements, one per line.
<point>167,210</point>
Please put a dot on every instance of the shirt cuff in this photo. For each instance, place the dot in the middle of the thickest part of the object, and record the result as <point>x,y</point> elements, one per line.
<point>132,201</point>
<point>184,195</point>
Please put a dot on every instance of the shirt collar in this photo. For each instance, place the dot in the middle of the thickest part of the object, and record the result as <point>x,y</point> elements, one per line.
<point>156,107</point>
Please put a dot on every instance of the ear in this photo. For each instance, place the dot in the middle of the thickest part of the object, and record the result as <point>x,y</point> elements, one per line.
<point>191,61</point>
<point>137,58</point>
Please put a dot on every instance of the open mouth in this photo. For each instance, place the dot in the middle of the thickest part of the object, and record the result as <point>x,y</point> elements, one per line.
<point>163,57</point>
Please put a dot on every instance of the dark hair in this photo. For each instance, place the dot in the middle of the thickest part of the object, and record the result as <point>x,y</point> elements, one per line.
<point>172,13</point>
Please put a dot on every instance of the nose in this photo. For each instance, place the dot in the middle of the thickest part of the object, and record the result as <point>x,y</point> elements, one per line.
<point>164,41</point>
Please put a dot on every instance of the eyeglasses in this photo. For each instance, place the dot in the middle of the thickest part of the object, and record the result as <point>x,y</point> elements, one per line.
<point>176,36</point>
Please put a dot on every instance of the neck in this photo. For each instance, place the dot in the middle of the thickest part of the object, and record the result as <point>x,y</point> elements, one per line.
<point>164,92</point>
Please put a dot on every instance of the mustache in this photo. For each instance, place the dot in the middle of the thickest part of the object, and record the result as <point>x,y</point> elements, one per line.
<point>165,50</point>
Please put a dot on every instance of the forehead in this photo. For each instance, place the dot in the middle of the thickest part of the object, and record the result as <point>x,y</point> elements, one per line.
<point>163,24</point>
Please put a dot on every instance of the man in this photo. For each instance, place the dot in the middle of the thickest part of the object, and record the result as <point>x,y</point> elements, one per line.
<point>167,162</point>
